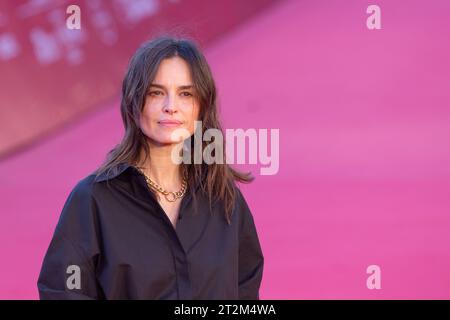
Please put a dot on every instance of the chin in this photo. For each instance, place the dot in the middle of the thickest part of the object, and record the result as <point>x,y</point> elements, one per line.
<point>164,141</point>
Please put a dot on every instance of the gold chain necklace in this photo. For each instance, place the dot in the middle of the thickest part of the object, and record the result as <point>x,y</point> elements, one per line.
<point>169,195</point>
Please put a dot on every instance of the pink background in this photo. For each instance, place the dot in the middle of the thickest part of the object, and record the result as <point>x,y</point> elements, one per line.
<point>364,119</point>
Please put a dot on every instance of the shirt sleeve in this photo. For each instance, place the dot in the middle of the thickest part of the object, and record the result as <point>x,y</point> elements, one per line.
<point>251,259</point>
<point>68,269</point>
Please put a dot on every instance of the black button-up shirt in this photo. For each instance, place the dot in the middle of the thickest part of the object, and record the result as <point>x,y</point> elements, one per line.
<point>113,240</point>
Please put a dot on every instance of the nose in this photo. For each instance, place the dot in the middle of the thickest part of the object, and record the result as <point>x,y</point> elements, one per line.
<point>170,105</point>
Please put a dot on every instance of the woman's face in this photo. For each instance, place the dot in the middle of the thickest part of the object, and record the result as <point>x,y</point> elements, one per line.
<point>171,103</point>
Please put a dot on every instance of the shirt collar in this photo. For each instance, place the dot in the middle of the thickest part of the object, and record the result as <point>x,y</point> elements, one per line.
<point>113,172</point>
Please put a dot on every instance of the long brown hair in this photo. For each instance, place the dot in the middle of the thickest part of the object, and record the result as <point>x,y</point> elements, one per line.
<point>220,178</point>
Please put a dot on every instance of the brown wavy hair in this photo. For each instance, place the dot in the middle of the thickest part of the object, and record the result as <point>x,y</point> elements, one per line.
<point>219,183</point>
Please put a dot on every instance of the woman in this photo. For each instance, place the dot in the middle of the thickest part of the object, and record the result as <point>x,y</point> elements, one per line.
<point>144,226</point>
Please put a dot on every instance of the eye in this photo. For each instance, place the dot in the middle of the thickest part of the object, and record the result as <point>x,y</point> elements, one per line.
<point>186,94</point>
<point>155,93</point>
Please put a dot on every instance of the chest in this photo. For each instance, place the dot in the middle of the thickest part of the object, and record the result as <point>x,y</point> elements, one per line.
<point>171,209</point>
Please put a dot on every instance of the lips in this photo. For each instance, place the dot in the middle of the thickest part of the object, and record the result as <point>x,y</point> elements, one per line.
<point>170,123</point>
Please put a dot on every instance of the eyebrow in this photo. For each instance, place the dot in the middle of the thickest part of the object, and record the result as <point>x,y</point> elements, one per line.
<point>185,87</point>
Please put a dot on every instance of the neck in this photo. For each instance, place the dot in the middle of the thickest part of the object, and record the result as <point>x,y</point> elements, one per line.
<point>160,168</point>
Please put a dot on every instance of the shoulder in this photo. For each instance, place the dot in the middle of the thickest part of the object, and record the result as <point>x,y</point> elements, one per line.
<point>88,186</point>
<point>240,202</point>
<point>80,207</point>
<point>82,190</point>
<point>78,222</point>
<point>241,208</point>
<point>248,235</point>
<point>85,185</point>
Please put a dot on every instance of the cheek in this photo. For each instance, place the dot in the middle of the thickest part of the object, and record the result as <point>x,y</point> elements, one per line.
<point>148,118</point>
